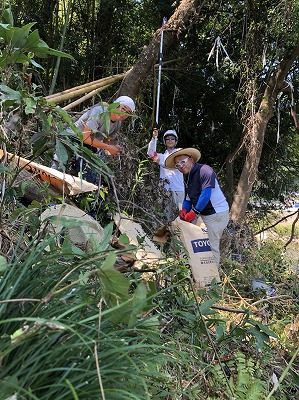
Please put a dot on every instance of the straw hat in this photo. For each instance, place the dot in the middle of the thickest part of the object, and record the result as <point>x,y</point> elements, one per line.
<point>193,153</point>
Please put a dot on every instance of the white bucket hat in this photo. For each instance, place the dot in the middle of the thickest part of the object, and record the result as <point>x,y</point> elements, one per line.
<point>127,101</point>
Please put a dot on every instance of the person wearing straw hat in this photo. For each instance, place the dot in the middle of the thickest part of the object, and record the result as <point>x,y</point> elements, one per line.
<point>172,178</point>
<point>99,133</point>
<point>203,195</point>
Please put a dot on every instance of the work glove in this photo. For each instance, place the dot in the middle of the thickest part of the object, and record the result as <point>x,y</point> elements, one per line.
<point>153,156</point>
<point>190,216</point>
<point>183,213</point>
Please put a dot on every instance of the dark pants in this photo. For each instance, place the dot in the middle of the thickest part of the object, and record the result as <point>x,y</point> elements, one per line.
<point>83,169</point>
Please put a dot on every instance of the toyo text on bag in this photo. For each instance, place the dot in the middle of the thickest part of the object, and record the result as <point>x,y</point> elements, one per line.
<point>202,262</point>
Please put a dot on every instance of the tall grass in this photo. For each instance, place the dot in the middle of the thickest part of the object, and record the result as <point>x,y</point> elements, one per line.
<point>61,340</point>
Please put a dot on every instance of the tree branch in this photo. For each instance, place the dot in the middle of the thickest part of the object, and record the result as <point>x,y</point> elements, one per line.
<point>276,223</point>
<point>293,230</point>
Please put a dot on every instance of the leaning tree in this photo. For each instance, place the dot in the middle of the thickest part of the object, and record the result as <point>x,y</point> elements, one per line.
<point>183,18</point>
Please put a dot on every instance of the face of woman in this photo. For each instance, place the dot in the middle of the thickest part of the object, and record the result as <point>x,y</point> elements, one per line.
<point>184,163</point>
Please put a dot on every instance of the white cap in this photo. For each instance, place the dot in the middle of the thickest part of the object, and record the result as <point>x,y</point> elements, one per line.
<point>170,132</point>
<point>127,101</point>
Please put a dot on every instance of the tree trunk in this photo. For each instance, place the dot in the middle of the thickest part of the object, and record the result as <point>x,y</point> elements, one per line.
<point>179,23</point>
<point>34,190</point>
<point>255,134</point>
<point>250,168</point>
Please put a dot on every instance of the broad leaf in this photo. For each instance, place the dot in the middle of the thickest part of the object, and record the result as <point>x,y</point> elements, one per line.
<point>61,154</point>
<point>205,308</point>
<point>9,94</point>
<point>115,284</point>
<point>138,304</point>
<point>7,17</point>
<point>20,36</point>
<point>30,106</point>
<point>58,53</point>
<point>264,328</point>
<point>35,64</point>
<point>33,40</point>
<point>103,245</point>
<point>6,32</point>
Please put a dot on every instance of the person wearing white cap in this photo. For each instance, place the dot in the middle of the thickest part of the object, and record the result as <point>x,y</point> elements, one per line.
<point>172,178</point>
<point>203,196</point>
<point>98,134</point>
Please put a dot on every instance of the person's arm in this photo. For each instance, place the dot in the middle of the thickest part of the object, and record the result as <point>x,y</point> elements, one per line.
<point>203,199</point>
<point>156,159</point>
<point>88,138</point>
<point>152,147</point>
<point>200,205</point>
<point>187,205</point>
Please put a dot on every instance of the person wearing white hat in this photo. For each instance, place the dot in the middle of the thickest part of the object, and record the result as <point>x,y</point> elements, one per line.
<point>98,133</point>
<point>172,178</point>
<point>203,195</point>
<point>95,130</point>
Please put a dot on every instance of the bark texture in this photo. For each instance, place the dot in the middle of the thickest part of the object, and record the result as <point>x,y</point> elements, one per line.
<point>185,16</point>
<point>255,134</point>
<point>34,189</point>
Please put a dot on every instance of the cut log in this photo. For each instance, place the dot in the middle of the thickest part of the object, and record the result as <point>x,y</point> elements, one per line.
<point>65,183</point>
<point>34,188</point>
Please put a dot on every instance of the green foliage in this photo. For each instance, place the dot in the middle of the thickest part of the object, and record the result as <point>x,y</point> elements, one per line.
<point>67,315</point>
<point>63,311</point>
<point>20,99</point>
<point>20,45</point>
<point>242,377</point>
<point>206,102</point>
<point>3,263</point>
<point>72,326</point>
<point>248,329</point>
<point>115,291</point>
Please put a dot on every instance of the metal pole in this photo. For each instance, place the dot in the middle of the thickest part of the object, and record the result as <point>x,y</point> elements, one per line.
<point>152,146</point>
<point>159,71</point>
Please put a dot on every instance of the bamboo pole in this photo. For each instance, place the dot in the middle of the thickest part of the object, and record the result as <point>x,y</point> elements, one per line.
<point>87,87</point>
<point>75,93</point>
<point>84,85</point>
<point>86,97</point>
<point>65,25</point>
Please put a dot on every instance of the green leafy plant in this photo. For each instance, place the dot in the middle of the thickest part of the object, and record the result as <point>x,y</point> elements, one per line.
<point>242,373</point>
<point>20,45</point>
<point>67,317</point>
